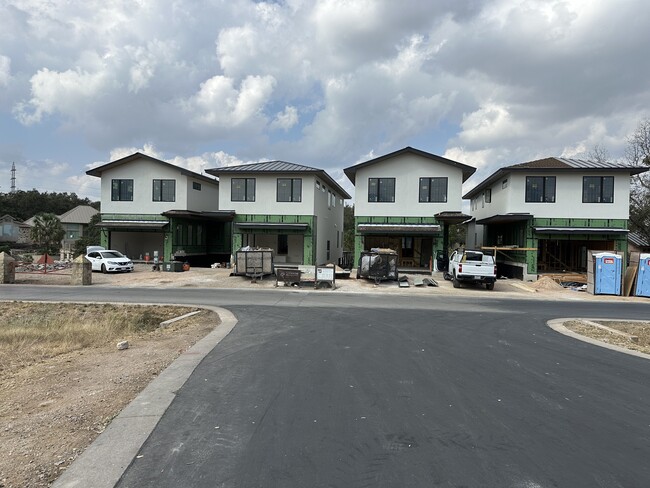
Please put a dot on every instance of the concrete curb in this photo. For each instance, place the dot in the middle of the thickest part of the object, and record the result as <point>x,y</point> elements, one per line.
<point>102,464</point>
<point>558,326</point>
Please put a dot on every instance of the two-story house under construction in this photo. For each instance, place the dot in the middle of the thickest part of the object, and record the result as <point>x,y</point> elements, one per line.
<point>545,215</point>
<point>149,205</point>
<point>406,201</point>
<point>293,209</point>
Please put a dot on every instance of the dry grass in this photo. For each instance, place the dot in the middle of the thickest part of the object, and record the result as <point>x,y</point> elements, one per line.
<point>640,329</point>
<point>31,332</point>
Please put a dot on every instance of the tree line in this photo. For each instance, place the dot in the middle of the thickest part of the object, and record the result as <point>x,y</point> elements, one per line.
<point>23,205</point>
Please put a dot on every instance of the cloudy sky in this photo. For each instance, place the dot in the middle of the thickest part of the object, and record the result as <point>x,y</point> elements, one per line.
<point>325,83</point>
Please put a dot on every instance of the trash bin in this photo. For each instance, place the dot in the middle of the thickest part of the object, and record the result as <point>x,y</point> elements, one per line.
<point>173,266</point>
<point>643,276</point>
<point>607,274</point>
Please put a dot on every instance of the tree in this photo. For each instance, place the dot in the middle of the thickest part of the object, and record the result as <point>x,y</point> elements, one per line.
<point>637,153</point>
<point>599,154</point>
<point>91,237</point>
<point>25,204</point>
<point>47,232</point>
<point>348,228</point>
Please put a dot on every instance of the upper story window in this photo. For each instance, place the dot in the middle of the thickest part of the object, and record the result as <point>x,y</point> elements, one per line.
<point>540,189</point>
<point>289,190</point>
<point>122,190</point>
<point>164,191</point>
<point>381,189</point>
<point>488,195</point>
<point>597,189</point>
<point>196,186</point>
<point>242,189</point>
<point>433,190</point>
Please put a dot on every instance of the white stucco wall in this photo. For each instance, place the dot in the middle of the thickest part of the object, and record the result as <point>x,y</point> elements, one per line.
<point>266,195</point>
<point>207,199</point>
<point>568,198</point>
<point>143,172</point>
<point>329,218</point>
<point>407,169</point>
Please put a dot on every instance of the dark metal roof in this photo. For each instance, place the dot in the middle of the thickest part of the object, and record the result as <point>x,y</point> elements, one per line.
<point>579,230</point>
<point>638,239</point>
<point>402,229</point>
<point>272,225</point>
<point>138,155</point>
<point>133,224</point>
<point>215,216</point>
<point>266,167</point>
<point>554,165</point>
<point>452,217</point>
<point>574,163</point>
<point>505,218</point>
<point>278,167</point>
<point>468,171</point>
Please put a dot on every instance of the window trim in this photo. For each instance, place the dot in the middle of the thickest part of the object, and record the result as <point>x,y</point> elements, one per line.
<point>430,186</point>
<point>121,181</point>
<point>161,192</point>
<point>379,181</point>
<point>544,196</point>
<point>291,190</point>
<point>246,184</point>
<point>601,189</point>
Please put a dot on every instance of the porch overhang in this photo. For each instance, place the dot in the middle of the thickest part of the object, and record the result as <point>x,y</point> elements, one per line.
<point>399,229</point>
<point>505,218</point>
<point>579,230</point>
<point>452,217</point>
<point>272,226</point>
<point>215,216</point>
<point>133,224</point>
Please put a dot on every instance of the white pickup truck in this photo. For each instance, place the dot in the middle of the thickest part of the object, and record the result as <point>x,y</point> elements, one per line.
<point>472,266</point>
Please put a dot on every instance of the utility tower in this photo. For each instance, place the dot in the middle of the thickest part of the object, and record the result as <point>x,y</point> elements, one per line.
<point>13,177</point>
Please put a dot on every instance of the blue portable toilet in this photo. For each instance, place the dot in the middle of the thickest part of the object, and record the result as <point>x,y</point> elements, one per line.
<point>607,274</point>
<point>643,276</point>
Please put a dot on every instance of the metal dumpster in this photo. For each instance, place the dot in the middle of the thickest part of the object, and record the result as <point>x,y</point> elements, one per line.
<point>254,262</point>
<point>378,265</point>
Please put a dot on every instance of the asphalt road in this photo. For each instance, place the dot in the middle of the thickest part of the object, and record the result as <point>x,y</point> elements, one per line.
<point>327,390</point>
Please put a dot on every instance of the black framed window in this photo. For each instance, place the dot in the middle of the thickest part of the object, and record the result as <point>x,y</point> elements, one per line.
<point>381,189</point>
<point>289,190</point>
<point>597,189</point>
<point>122,190</point>
<point>164,191</point>
<point>196,186</point>
<point>540,189</point>
<point>242,190</point>
<point>433,190</point>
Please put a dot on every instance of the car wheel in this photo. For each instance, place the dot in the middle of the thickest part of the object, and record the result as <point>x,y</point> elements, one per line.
<point>104,269</point>
<point>455,282</point>
<point>489,286</point>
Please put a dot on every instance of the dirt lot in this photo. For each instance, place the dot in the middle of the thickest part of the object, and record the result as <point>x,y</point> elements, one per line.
<point>53,409</point>
<point>143,276</point>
